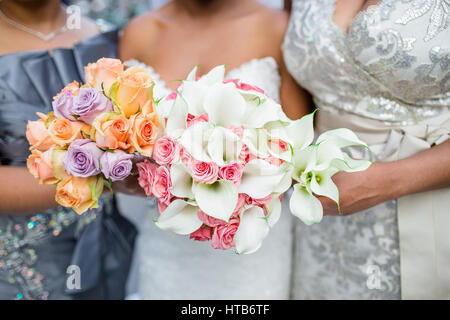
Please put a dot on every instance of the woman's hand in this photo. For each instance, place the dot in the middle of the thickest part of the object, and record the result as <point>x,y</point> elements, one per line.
<point>360,190</point>
<point>385,181</point>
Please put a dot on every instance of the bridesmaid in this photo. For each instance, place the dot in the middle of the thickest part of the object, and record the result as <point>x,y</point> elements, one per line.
<point>38,239</point>
<point>380,68</point>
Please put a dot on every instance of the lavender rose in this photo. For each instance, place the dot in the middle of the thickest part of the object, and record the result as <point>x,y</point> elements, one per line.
<point>82,158</point>
<point>90,103</point>
<point>62,106</point>
<point>116,165</point>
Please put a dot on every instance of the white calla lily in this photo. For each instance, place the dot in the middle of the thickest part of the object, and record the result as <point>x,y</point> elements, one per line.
<point>305,206</point>
<point>224,146</point>
<point>303,162</point>
<point>181,181</point>
<point>195,140</point>
<point>323,185</point>
<point>260,179</point>
<point>253,229</point>
<point>194,94</point>
<point>180,217</point>
<point>341,137</point>
<point>218,199</point>
<point>224,105</point>
<point>258,115</point>
<point>176,122</point>
<point>215,75</point>
<point>348,164</point>
<point>257,142</point>
<point>274,209</point>
<point>192,76</point>
<point>301,132</point>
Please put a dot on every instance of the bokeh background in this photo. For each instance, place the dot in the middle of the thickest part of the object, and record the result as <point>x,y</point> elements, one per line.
<point>110,14</point>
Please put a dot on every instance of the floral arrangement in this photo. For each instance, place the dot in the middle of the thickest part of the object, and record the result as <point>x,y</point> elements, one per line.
<point>89,139</point>
<point>227,155</point>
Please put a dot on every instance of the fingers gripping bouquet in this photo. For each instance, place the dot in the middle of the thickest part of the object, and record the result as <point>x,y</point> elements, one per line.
<point>89,138</point>
<point>228,154</point>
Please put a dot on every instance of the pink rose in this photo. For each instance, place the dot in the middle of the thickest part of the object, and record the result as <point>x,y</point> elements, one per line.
<point>231,172</point>
<point>246,156</point>
<point>204,172</point>
<point>239,131</point>
<point>259,202</point>
<point>162,207</point>
<point>162,185</point>
<point>191,120</point>
<point>208,220</point>
<point>203,234</point>
<point>242,199</point>
<point>147,173</point>
<point>185,157</point>
<point>274,161</point>
<point>223,235</point>
<point>171,96</point>
<point>165,151</point>
<point>247,87</point>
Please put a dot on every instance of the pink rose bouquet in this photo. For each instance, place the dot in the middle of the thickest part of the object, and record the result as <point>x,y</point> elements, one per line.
<point>227,155</point>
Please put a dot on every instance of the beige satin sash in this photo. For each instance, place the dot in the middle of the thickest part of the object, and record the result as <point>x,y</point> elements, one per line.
<point>423,218</point>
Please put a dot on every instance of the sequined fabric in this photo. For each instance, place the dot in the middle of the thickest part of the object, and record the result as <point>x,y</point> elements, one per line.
<point>392,65</point>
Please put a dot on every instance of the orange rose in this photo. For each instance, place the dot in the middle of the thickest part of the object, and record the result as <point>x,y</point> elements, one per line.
<point>37,135</point>
<point>144,132</point>
<point>112,131</point>
<point>63,131</point>
<point>73,86</point>
<point>105,70</point>
<point>80,194</point>
<point>133,91</point>
<point>40,166</point>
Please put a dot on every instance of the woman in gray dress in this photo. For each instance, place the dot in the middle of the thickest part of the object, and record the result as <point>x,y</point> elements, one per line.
<point>38,239</point>
<point>382,69</point>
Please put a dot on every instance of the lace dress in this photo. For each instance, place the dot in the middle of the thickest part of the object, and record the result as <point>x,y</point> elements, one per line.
<point>391,71</point>
<point>173,267</point>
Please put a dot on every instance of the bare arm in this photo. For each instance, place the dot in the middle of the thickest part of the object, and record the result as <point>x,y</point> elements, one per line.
<point>296,101</point>
<point>424,171</point>
<point>20,192</point>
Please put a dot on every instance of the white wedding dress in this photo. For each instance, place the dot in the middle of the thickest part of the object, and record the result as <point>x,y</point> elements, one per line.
<point>171,266</point>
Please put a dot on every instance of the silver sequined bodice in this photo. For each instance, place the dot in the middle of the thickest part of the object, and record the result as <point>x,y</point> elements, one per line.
<point>392,65</point>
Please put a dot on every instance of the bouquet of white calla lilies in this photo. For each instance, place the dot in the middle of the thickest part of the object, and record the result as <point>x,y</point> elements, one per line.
<point>227,156</point>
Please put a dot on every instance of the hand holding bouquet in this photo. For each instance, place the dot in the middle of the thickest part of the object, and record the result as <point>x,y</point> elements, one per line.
<point>228,154</point>
<point>89,139</point>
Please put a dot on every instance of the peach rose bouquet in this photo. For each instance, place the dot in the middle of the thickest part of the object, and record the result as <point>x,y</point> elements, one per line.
<point>227,156</point>
<point>93,133</point>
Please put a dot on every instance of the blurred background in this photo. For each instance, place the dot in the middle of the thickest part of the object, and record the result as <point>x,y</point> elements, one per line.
<point>110,14</point>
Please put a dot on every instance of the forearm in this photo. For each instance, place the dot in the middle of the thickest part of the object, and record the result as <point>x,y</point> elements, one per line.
<point>424,171</point>
<point>20,192</point>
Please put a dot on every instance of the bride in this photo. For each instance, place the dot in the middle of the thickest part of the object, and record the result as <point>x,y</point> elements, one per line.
<point>170,41</point>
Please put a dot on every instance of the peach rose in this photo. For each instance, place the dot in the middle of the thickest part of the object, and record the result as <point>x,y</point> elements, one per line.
<point>40,166</point>
<point>75,193</point>
<point>63,131</point>
<point>112,131</point>
<point>143,133</point>
<point>133,91</point>
<point>74,87</point>
<point>105,70</point>
<point>37,135</point>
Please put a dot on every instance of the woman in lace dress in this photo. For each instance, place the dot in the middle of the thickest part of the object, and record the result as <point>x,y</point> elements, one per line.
<point>171,41</point>
<point>380,68</point>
